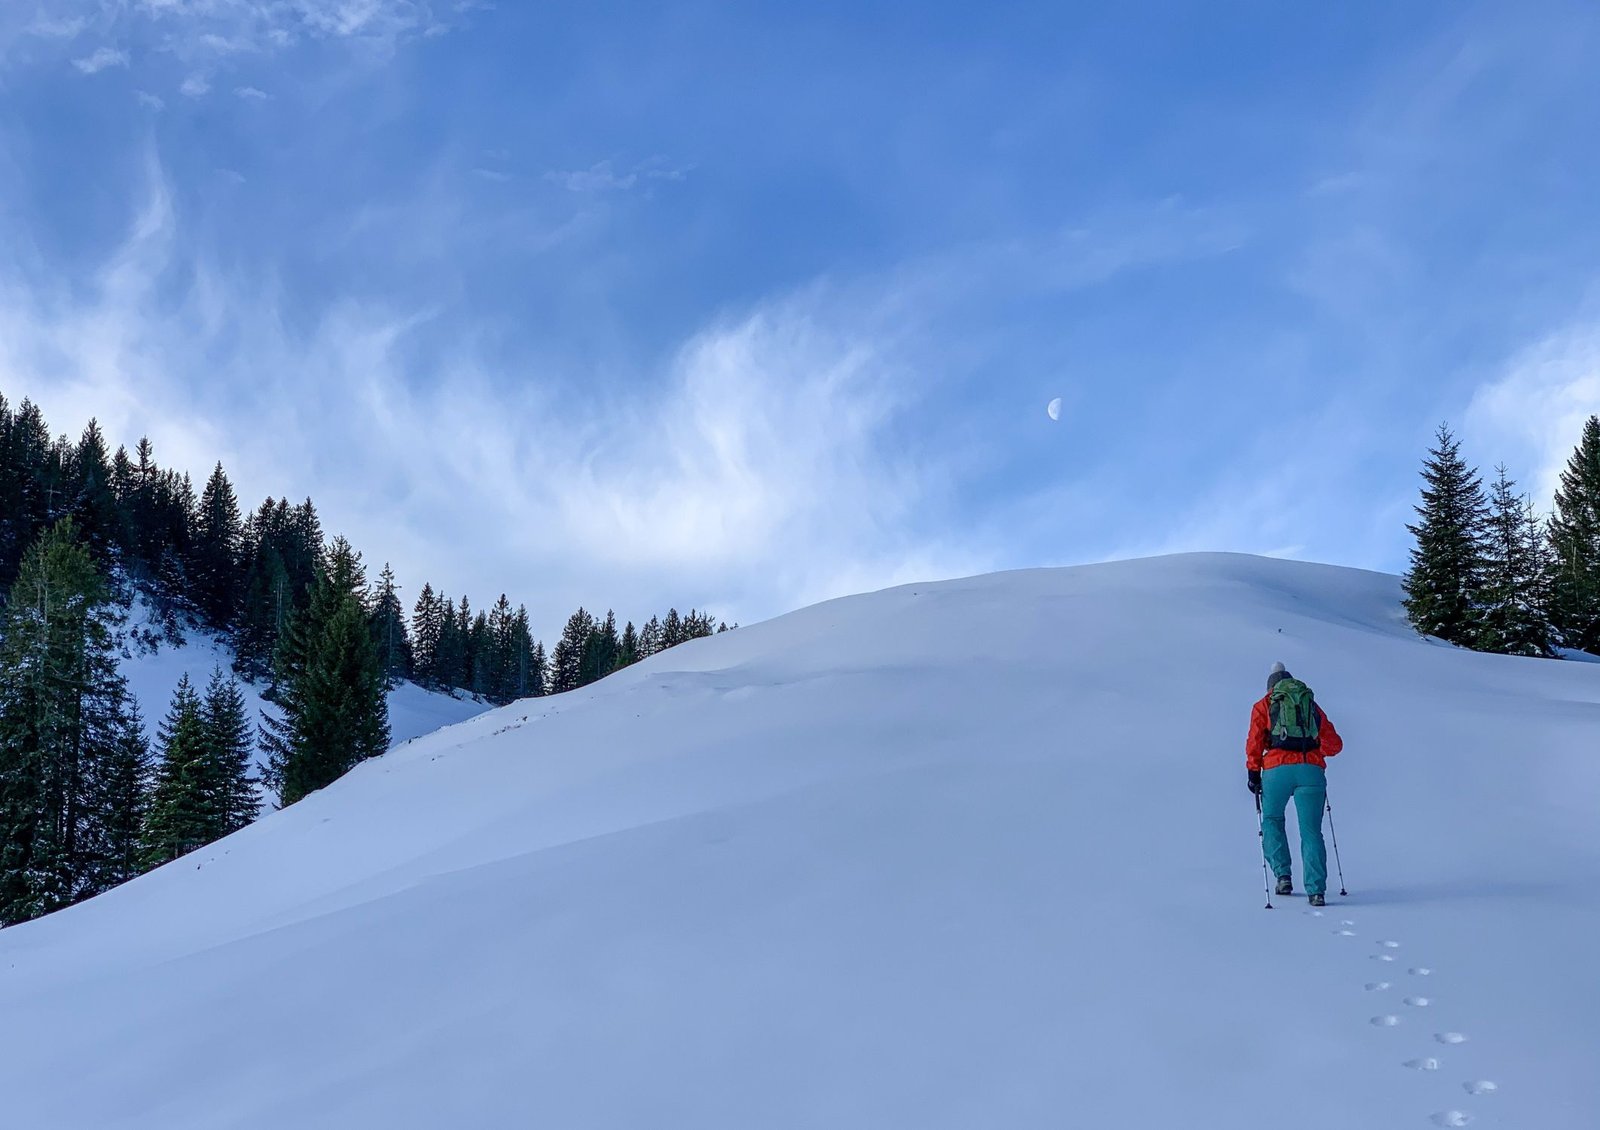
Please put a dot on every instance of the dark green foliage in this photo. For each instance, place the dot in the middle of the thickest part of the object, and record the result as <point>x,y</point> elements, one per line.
<point>1447,563</point>
<point>567,664</point>
<point>427,621</point>
<point>215,552</point>
<point>1575,541</point>
<point>70,778</point>
<point>1512,611</point>
<point>389,633</point>
<point>183,809</point>
<point>231,754</point>
<point>332,707</point>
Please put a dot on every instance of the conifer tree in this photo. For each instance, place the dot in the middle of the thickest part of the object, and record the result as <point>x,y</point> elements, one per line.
<point>119,804</point>
<point>650,641</point>
<point>230,750</point>
<point>389,634</point>
<point>629,653</point>
<point>539,676</point>
<point>183,808</point>
<point>1575,540</point>
<point>215,552</point>
<point>64,725</point>
<point>1512,617</point>
<point>1447,564</point>
<point>427,621</point>
<point>567,664</point>
<point>333,710</point>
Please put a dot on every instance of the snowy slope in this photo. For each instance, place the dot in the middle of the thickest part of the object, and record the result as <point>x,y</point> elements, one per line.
<point>973,854</point>
<point>153,676</point>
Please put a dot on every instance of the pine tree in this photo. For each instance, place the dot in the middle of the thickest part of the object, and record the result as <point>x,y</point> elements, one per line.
<point>1447,564</point>
<point>121,800</point>
<point>539,676</point>
<point>64,729</point>
<point>1512,618</point>
<point>629,653</point>
<point>215,550</point>
<point>333,710</point>
<point>92,503</point>
<point>650,639</point>
<point>183,809</point>
<point>230,750</point>
<point>568,661</point>
<point>427,621</point>
<point>1575,540</point>
<point>389,634</point>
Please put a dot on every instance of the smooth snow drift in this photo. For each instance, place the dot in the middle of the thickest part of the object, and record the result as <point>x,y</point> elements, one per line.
<point>973,854</point>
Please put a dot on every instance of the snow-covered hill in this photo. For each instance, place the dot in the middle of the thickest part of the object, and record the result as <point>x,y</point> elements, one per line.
<point>153,676</point>
<point>972,854</point>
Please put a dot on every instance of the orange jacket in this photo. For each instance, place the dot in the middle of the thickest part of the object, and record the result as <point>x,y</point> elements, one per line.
<point>1258,756</point>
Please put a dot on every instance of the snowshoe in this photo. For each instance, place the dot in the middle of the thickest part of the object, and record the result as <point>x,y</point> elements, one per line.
<point>1285,885</point>
<point>1317,900</point>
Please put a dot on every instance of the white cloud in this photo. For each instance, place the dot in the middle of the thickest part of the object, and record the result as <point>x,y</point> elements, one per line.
<point>63,27</point>
<point>101,59</point>
<point>1532,415</point>
<point>600,177</point>
<point>195,86</point>
<point>250,94</point>
<point>491,175</point>
<point>151,101</point>
<point>603,176</point>
<point>751,470</point>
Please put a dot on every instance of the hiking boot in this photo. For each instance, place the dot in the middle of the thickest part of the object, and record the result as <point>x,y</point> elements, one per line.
<point>1285,885</point>
<point>1317,900</point>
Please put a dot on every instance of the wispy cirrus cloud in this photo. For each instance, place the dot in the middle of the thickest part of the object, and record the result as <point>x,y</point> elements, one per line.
<point>210,32</point>
<point>603,176</point>
<point>755,466</point>
<point>1531,415</point>
<point>100,60</point>
<point>250,94</point>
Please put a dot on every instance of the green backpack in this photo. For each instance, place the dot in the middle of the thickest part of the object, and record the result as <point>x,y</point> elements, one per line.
<point>1293,713</point>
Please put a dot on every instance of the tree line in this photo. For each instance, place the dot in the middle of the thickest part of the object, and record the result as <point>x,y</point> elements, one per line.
<point>1488,573</point>
<point>84,802</point>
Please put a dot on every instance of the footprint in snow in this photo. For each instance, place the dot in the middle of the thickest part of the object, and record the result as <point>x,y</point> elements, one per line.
<point>1450,1037</point>
<point>1345,933</point>
<point>1385,1021</point>
<point>1428,1064</point>
<point>1348,922</point>
<point>1383,957</point>
<point>1377,986</point>
<point>1418,1002</point>
<point>1420,971</point>
<point>1451,1118</point>
<point>1390,945</point>
<point>1481,1087</point>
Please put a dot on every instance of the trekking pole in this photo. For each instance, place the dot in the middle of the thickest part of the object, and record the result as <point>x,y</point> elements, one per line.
<point>1335,833</point>
<point>1261,831</point>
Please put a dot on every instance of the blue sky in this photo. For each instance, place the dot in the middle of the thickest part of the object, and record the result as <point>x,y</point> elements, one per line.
<point>750,305</point>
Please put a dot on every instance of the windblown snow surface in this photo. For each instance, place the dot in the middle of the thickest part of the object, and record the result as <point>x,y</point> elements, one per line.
<point>969,854</point>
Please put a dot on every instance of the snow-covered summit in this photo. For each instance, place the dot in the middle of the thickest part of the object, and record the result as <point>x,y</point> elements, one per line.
<point>976,853</point>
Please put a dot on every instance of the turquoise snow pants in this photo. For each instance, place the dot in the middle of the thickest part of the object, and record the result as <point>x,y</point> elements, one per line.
<point>1308,785</point>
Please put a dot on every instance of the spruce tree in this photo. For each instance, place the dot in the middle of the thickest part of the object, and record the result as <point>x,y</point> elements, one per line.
<point>1447,564</point>
<point>120,804</point>
<point>333,709</point>
<point>64,730</point>
<point>231,752</point>
<point>215,552</point>
<point>389,634</point>
<point>1512,617</point>
<point>567,664</point>
<point>184,813</point>
<point>427,621</point>
<point>1575,540</point>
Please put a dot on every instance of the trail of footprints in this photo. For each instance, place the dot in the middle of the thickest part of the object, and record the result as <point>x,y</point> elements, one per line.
<point>1415,1000</point>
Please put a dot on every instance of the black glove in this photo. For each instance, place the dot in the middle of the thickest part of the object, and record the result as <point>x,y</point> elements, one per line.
<point>1255,780</point>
